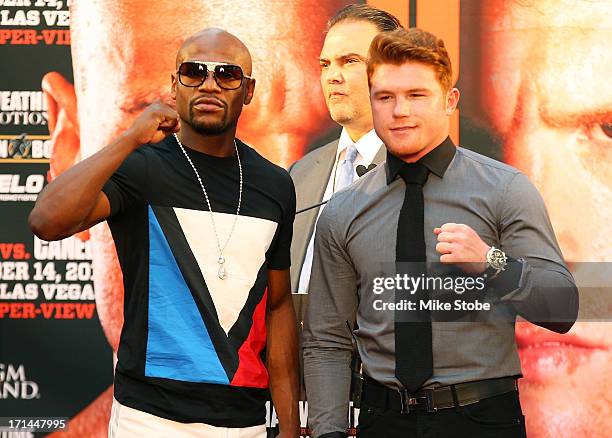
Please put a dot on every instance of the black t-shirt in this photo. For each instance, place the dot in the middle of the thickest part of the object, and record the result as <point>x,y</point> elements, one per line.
<point>192,344</point>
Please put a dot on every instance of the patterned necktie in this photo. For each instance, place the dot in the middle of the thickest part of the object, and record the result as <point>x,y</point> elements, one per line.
<point>347,168</point>
<point>413,351</point>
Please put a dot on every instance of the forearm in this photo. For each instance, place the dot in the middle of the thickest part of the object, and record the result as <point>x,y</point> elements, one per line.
<point>546,297</point>
<point>64,206</point>
<point>544,291</point>
<point>282,363</point>
<point>327,375</point>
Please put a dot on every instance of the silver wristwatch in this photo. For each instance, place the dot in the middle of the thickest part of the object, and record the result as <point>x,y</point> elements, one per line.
<point>496,261</point>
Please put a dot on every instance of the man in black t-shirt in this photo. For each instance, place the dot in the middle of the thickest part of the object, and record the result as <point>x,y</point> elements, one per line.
<point>202,225</point>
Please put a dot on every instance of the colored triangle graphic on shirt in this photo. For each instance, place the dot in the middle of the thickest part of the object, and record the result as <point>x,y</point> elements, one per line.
<point>179,346</point>
<point>244,256</point>
<point>251,371</point>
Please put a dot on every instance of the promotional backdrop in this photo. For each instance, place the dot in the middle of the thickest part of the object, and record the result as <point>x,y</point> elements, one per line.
<point>535,90</point>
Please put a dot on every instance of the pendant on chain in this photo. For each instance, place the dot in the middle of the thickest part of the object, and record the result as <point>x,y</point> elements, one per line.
<point>222,272</point>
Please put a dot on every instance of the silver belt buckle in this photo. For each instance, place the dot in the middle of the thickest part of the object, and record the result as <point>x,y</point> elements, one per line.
<point>431,401</point>
<point>405,401</point>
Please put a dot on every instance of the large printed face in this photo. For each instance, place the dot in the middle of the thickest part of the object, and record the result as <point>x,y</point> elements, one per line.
<point>123,55</point>
<point>546,72</point>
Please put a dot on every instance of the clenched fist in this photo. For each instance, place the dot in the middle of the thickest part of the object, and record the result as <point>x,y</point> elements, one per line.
<point>459,244</point>
<point>155,123</point>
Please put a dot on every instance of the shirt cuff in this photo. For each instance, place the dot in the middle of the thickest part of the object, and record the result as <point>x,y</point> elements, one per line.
<point>504,285</point>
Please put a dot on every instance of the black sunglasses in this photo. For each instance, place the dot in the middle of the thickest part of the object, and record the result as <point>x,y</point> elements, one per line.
<point>227,76</point>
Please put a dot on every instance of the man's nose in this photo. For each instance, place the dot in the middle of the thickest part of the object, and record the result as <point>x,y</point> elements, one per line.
<point>210,84</point>
<point>333,75</point>
<point>401,107</point>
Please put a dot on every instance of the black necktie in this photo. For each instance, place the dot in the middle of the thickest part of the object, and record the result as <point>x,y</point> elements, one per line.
<point>413,355</point>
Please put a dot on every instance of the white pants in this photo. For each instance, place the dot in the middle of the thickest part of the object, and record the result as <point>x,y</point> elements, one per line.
<point>127,422</point>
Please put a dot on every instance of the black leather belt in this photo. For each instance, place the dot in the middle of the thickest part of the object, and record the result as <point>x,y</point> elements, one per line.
<point>430,400</point>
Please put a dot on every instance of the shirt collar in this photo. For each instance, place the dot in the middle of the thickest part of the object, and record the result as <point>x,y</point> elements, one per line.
<point>437,160</point>
<point>367,146</point>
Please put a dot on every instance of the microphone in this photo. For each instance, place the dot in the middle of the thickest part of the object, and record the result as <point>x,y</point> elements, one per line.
<point>360,170</point>
<point>311,207</point>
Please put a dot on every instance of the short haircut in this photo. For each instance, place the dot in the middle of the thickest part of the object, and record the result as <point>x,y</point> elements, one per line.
<point>411,45</point>
<point>383,20</point>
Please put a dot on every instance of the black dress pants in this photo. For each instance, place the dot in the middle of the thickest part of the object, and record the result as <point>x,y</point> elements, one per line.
<point>495,417</point>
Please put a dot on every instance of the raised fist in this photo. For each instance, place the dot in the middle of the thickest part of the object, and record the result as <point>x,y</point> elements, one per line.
<point>156,122</point>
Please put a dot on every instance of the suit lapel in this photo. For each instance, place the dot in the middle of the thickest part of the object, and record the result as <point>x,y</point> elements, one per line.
<point>380,156</point>
<point>310,183</point>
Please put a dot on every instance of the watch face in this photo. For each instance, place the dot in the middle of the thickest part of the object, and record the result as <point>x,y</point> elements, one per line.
<point>497,259</point>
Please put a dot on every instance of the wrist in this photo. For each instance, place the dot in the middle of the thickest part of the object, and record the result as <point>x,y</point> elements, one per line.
<point>288,423</point>
<point>496,261</point>
<point>129,139</point>
<point>288,433</point>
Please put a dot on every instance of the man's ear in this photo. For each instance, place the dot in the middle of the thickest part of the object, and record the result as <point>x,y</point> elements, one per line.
<point>173,88</point>
<point>249,91</point>
<point>63,123</point>
<point>452,100</point>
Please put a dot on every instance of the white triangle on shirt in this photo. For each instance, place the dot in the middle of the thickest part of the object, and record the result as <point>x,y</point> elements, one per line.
<point>244,255</point>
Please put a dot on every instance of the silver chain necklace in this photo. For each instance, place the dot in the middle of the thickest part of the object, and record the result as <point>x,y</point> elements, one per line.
<point>222,271</point>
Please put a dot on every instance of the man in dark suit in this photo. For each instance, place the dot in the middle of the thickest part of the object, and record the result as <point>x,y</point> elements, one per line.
<point>334,166</point>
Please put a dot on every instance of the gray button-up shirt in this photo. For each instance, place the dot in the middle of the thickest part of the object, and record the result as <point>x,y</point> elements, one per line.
<point>356,241</point>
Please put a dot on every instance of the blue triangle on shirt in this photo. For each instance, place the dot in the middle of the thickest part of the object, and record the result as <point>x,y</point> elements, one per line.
<point>178,343</point>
